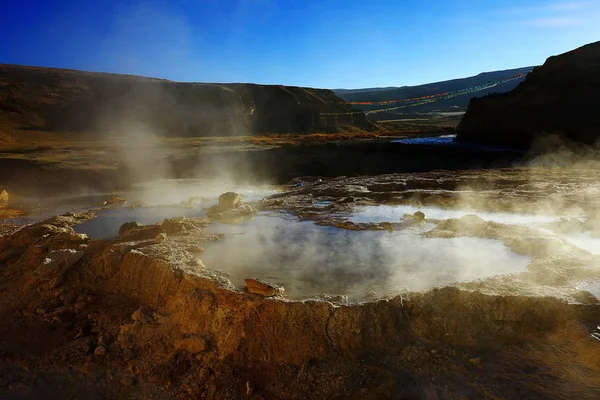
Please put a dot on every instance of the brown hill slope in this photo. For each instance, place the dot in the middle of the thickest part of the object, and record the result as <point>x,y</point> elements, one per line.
<point>56,100</point>
<point>559,97</point>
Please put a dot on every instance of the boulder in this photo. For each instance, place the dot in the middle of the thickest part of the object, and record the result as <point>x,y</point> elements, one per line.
<point>100,351</point>
<point>128,227</point>
<point>142,315</point>
<point>176,225</point>
<point>263,288</point>
<point>161,237</point>
<point>227,201</point>
<point>230,209</point>
<point>419,216</point>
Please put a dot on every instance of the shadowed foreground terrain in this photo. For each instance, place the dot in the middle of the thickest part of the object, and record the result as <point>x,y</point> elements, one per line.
<point>139,316</point>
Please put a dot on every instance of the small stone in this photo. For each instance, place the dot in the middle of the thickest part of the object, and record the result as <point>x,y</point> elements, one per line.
<point>127,381</point>
<point>37,249</point>
<point>125,329</point>
<point>142,315</point>
<point>161,237</point>
<point>475,361</point>
<point>263,288</point>
<point>196,263</point>
<point>192,344</point>
<point>339,299</point>
<point>100,351</point>
<point>80,333</point>
<point>195,249</point>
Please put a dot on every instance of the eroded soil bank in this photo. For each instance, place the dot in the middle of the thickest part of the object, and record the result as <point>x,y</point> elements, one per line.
<point>139,316</point>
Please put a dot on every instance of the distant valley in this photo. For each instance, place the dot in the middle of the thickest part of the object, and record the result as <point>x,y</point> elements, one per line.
<point>458,93</point>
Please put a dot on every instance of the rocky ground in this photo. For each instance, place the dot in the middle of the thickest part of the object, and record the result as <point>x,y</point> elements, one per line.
<point>139,316</point>
<point>536,190</point>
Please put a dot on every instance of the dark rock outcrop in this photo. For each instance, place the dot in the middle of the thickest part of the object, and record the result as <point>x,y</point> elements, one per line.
<point>558,99</point>
<point>56,100</point>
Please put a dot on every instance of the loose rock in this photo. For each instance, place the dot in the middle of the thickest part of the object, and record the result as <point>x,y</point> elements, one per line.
<point>142,315</point>
<point>128,227</point>
<point>263,288</point>
<point>161,237</point>
<point>100,351</point>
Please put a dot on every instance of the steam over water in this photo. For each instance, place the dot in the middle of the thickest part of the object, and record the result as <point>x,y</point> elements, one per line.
<point>174,191</point>
<point>394,213</point>
<point>308,259</point>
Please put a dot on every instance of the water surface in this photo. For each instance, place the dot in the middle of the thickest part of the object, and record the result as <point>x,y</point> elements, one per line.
<point>308,259</point>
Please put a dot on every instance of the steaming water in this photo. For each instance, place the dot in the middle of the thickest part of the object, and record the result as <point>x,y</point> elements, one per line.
<point>594,289</point>
<point>174,191</point>
<point>161,198</point>
<point>308,259</point>
<point>584,241</point>
<point>106,225</point>
<point>385,213</point>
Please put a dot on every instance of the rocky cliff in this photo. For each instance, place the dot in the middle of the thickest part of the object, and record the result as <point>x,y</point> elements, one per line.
<point>55,100</point>
<point>558,98</point>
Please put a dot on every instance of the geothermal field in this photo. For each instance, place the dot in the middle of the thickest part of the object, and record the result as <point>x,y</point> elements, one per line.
<point>313,252</point>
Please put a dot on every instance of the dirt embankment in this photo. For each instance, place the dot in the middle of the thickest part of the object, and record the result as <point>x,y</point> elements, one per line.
<point>140,317</point>
<point>558,98</point>
<point>75,104</point>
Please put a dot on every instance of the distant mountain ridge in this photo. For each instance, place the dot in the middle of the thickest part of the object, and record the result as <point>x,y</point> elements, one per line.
<point>453,85</point>
<point>36,99</point>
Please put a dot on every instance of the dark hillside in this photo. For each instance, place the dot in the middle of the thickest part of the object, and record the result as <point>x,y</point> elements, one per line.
<point>55,100</point>
<point>560,97</point>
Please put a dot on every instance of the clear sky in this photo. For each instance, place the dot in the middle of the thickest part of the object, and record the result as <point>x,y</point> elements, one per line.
<point>318,43</point>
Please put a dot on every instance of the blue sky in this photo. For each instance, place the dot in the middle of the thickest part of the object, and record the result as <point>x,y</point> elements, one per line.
<point>318,43</point>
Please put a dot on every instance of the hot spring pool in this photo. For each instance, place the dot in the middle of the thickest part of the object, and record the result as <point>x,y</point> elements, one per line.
<point>175,191</point>
<point>308,259</point>
<point>385,213</point>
